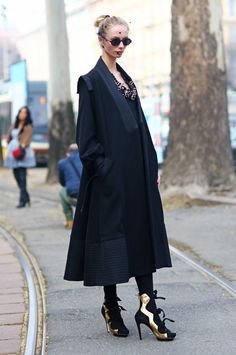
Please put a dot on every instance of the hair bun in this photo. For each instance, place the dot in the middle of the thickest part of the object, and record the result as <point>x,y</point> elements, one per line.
<point>99,20</point>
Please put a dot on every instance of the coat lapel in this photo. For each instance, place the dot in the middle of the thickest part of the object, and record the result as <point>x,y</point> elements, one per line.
<point>126,114</point>
<point>141,116</point>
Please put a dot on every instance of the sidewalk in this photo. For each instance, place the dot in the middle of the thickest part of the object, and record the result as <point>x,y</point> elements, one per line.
<point>12,304</point>
<point>204,312</point>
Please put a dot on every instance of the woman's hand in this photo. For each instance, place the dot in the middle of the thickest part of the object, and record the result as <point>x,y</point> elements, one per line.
<point>158,180</point>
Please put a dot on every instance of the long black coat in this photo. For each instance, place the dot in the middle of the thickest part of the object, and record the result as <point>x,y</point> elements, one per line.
<point>106,129</point>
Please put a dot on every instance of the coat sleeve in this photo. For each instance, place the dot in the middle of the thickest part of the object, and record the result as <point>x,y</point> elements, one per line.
<point>91,151</point>
<point>26,135</point>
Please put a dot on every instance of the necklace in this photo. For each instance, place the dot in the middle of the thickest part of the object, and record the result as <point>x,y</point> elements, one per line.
<point>130,93</point>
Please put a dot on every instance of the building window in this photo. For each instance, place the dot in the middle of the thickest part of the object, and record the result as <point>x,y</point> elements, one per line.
<point>232,7</point>
<point>232,35</point>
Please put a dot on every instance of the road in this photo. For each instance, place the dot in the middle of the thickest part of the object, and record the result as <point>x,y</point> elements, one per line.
<point>204,313</point>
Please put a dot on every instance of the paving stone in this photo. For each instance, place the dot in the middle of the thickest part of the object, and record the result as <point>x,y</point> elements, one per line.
<point>9,268</point>
<point>12,277</point>
<point>12,290</point>
<point>10,332</point>
<point>8,259</point>
<point>12,308</point>
<point>8,283</point>
<point>15,318</point>
<point>12,298</point>
<point>12,305</point>
<point>10,346</point>
<point>5,250</point>
<point>4,243</point>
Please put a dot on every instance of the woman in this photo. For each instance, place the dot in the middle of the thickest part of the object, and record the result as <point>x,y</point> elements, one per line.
<point>19,135</point>
<point>118,230</point>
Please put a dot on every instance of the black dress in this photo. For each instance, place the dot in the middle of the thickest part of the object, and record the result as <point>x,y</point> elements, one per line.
<point>138,234</point>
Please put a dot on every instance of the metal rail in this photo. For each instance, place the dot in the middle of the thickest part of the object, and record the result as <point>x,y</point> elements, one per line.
<point>221,281</point>
<point>31,271</point>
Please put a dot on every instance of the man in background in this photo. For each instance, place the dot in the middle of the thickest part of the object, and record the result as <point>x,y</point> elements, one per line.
<point>69,173</point>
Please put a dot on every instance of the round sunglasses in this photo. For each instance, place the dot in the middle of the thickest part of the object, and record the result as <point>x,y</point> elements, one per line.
<point>116,41</point>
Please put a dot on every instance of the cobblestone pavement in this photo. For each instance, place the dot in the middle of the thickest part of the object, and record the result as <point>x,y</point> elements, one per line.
<point>12,304</point>
<point>204,313</point>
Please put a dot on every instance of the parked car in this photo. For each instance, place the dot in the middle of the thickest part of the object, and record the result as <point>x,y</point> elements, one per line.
<point>40,144</point>
<point>4,146</point>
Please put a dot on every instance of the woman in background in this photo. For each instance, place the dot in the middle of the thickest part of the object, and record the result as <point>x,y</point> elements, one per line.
<point>19,136</point>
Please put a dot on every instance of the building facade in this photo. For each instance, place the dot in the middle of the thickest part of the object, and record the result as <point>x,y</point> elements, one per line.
<point>229,23</point>
<point>147,59</point>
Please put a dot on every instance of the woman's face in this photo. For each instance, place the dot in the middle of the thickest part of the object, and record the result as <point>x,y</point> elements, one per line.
<point>23,114</point>
<point>116,31</point>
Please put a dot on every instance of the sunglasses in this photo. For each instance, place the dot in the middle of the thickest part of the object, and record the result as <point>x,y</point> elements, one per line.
<point>116,41</point>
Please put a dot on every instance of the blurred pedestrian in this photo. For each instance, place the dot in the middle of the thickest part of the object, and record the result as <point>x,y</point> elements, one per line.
<point>20,155</point>
<point>118,230</point>
<point>69,173</point>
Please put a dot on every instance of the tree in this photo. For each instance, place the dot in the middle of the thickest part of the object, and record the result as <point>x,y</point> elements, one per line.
<point>199,153</point>
<point>61,117</point>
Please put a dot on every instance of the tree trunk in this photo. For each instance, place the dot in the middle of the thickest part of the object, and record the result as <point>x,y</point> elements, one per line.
<point>1,156</point>
<point>199,152</point>
<point>61,116</point>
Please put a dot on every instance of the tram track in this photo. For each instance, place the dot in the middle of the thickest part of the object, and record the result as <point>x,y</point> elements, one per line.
<point>214,276</point>
<point>36,333</point>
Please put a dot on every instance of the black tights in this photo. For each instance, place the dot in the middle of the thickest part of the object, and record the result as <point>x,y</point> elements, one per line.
<point>144,283</point>
<point>20,176</point>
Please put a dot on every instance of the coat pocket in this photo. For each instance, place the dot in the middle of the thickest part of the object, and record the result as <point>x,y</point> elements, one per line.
<point>103,166</point>
<point>110,205</point>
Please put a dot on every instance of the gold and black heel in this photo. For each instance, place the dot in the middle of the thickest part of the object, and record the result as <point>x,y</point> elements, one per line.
<point>114,322</point>
<point>153,320</point>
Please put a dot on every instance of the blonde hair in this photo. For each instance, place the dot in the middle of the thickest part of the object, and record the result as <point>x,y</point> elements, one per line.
<point>105,21</point>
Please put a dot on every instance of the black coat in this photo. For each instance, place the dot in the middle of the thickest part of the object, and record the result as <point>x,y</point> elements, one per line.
<point>107,129</point>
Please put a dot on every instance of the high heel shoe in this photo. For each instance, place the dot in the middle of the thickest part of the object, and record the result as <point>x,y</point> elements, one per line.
<point>23,204</point>
<point>153,320</point>
<point>114,322</point>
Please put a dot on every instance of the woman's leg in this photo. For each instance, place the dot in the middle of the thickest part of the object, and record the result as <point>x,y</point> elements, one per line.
<point>110,295</point>
<point>145,285</point>
<point>24,196</point>
<point>148,313</point>
<point>66,204</point>
<point>16,173</point>
<point>20,176</point>
<point>111,312</point>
